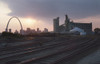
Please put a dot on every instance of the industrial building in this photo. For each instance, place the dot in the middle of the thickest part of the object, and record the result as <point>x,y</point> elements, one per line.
<point>69,25</point>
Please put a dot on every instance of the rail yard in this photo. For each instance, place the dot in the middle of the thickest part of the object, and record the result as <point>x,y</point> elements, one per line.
<point>48,50</point>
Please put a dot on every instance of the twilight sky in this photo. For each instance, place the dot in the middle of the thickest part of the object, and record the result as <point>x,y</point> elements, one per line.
<point>42,12</point>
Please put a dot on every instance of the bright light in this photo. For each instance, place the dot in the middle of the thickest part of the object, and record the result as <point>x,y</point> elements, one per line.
<point>30,21</point>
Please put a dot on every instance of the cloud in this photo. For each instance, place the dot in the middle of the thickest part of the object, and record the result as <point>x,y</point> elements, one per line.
<point>53,8</point>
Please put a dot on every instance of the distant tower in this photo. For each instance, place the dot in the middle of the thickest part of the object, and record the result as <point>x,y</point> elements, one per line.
<point>37,29</point>
<point>10,30</point>
<point>21,31</point>
<point>28,31</point>
<point>67,23</point>
<point>45,30</point>
<point>56,24</point>
<point>16,32</point>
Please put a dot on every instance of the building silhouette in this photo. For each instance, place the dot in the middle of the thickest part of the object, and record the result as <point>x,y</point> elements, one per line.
<point>69,25</point>
<point>10,30</point>
<point>56,24</point>
<point>38,30</point>
<point>16,32</point>
<point>45,30</point>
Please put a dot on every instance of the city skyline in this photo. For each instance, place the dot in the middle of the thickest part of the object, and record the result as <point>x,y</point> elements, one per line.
<point>29,30</point>
<point>39,14</point>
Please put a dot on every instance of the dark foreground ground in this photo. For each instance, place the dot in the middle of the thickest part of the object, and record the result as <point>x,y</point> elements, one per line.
<point>49,50</point>
<point>84,55</point>
<point>88,56</point>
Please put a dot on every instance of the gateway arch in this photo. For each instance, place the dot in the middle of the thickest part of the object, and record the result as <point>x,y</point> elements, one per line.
<point>9,22</point>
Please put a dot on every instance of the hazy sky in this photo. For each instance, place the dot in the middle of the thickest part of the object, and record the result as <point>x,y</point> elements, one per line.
<point>43,12</point>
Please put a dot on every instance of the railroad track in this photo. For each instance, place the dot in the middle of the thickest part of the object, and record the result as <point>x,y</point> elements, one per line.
<point>60,46</point>
<point>82,48</point>
<point>58,56</point>
<point>4,57</point>
<point>30,48</point>
<point>49,43</point>
<point>24,46</point>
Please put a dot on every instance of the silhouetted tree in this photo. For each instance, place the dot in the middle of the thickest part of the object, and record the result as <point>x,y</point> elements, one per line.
<point>11,35</point>
<point>97,30</point>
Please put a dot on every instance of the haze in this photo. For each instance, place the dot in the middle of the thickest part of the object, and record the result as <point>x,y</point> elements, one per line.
<point>42,12</point>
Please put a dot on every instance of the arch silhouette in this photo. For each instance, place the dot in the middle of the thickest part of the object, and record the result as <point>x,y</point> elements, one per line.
<point>10,20</point>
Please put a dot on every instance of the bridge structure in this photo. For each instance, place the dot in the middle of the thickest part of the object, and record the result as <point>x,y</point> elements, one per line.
<point>6,30</point>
